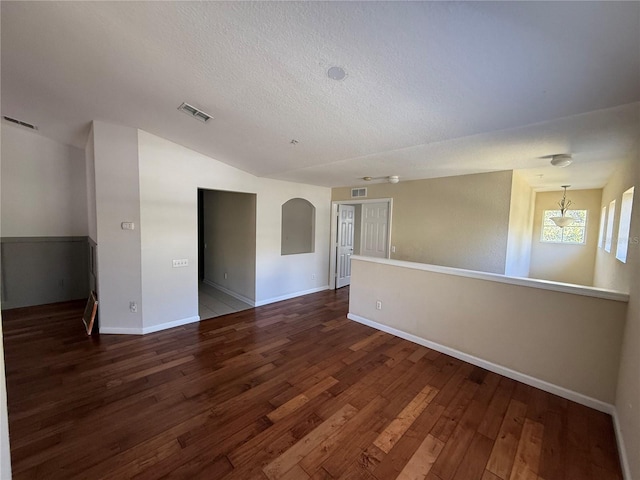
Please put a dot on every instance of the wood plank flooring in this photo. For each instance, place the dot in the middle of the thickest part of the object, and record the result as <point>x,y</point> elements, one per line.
<point>292,390</point>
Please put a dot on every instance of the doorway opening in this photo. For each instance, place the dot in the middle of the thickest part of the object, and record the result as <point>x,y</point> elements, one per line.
<point>226,252</point>
<point>358,227</point>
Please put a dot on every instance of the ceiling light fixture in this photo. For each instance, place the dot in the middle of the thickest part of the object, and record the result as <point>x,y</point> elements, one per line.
<point>562,160</point>
<point>336,73</point>
<point>390,178</point>
<point>563,221</point>
<point>195,112</point>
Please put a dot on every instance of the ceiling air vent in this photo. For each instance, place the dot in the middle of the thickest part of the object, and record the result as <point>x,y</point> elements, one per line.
<point>194,112</point>
<point>20,122</point>
<point>358,192</point>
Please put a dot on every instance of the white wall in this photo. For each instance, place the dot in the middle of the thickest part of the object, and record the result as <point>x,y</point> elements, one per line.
<point>565,262</point>
<point>5,453</point>
<point>568,340</point>
<point>521,210</point>
<point>230,241</point>
<point>43,186</point>
<point>609,271</point>
<point>628,394</point>
<point>169,178</point>
<point>117,201</point>
<point>90,181</point>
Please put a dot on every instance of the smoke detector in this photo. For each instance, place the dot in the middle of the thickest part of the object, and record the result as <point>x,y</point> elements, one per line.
<point>336,73</point>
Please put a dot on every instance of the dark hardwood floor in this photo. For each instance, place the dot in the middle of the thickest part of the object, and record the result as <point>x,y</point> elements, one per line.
<point>292,390</point>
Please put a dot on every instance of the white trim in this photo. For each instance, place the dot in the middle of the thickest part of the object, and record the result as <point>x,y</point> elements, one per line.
<point>622,452</point>
<point>175,323</point>
<point>494,277</point>
<point>493,367</point>
<point>119,331</point>
<point>151,329</point>
<point>267,301</point>
<point>334,232</point>
<point>233,294</point>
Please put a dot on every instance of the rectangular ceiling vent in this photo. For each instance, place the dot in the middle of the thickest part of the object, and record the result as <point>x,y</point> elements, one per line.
<point>194,112</point>
<point>20,122</point>
<point>358,192</point>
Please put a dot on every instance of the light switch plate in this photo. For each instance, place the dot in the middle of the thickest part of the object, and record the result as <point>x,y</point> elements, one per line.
<point>183,262</point>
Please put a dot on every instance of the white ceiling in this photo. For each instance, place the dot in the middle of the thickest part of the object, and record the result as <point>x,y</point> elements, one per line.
<point>433,88</point>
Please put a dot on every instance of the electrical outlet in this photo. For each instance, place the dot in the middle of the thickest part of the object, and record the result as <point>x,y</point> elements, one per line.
<point>133,307</point>
<point>378,305</point>
<point>393,249</point>
<point>183,262</point>
<point>313,276</point>
<point>128,226</point>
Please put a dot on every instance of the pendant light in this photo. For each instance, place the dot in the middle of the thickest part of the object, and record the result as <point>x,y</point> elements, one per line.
<point>563,221</point>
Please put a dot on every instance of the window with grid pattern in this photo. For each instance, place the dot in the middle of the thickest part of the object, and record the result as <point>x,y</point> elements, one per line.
<point>576,233</point>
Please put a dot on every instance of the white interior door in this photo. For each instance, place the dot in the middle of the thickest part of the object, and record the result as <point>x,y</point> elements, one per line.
<point>375,225</point>
<point>346,215</point>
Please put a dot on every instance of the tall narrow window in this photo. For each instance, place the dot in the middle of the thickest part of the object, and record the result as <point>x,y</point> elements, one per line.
<point>603,219</point>
<point>612,215</point>
<point>625,225</point>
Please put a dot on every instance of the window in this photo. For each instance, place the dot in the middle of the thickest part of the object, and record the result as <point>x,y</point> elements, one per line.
<point>603,219</point>
<point>609,238</point>
<point>625,225</point>
<point>576,233</point>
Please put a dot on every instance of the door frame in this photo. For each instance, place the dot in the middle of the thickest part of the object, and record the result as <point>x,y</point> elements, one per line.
<point>334,232</point>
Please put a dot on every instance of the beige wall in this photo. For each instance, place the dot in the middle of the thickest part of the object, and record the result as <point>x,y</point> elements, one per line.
<point>508,325</point>
<point>564,262</point>
<point>628,395</point>
<point>520,227</point>
<point>609,271</point>
<point>230,239</point>
<point>457,221</point>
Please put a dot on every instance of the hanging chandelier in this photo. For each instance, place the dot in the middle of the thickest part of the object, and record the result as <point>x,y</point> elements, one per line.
<point>563,221</point>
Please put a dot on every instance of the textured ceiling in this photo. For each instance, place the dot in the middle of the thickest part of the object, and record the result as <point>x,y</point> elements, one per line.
<point>432,88</point>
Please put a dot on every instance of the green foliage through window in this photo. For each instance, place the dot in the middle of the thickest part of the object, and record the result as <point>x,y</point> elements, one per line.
<point>576,233</point>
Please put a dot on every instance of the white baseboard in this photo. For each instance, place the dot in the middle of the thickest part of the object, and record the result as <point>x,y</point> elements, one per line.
<point>622,451</point>
<point>175,323</point>
<point>150,329</point>
<point>231,293</point>
<point>493,367</point>
<point>120,331</point>
<point>291,295</point>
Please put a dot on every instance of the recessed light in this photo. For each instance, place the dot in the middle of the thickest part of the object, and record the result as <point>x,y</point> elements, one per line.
<point>336,73</point>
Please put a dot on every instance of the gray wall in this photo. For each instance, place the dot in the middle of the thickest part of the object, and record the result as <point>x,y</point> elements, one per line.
<point>44,220</point>
<point>230,239</point>
<point>40,270</point>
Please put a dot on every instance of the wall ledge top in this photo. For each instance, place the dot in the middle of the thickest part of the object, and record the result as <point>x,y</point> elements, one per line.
<point>494,277</point>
